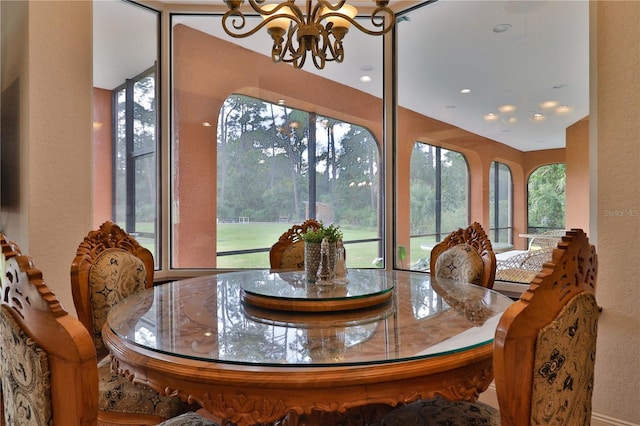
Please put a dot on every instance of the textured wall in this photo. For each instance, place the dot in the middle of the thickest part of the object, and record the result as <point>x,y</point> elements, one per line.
<point>55,74</point>
<point>617,138</point>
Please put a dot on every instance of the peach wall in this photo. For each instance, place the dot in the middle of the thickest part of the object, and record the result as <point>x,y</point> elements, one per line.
<point>577,168</point>
<point>102,156</point>
<point>202,82</point>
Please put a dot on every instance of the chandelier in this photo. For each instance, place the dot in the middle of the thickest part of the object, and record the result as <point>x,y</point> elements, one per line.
<point>318,32</point>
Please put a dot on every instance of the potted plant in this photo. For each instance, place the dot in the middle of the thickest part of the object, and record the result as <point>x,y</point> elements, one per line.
<point>332,233</point>
<point>312,240</point>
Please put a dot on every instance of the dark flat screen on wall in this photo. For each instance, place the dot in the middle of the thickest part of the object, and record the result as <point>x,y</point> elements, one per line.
<point>10,146</point>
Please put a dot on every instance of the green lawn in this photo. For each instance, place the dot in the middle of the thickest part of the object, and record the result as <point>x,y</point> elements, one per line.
<point>246,236</point>
<point>243,236</point>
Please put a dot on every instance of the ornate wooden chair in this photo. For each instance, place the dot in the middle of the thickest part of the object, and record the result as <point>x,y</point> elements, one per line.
<point>544,352</point>
<point>47,356</point>
<point>110,265</point>
<point>466,255</point>
<point>9,250</point>
<point>288,251</point>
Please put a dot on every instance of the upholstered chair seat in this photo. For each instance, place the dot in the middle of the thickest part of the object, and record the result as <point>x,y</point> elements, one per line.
<point>466,255</point>
<point>438,411</point>
<point>188,419</point>
<point>109,266</point>
<point>48,358</point>
<point>544,352</point>
<point>27,381</point>
<point>460,263</point>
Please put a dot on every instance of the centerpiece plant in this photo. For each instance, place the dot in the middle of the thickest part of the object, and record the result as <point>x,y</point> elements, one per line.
<point>312,239</point>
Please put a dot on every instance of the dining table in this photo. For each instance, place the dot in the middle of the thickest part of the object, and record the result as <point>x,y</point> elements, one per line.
<point>258,347</point>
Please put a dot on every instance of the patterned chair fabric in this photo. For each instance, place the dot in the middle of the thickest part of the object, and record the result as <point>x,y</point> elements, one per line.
<point>109,266</point>
<point>49,361</point>
<point>440,412</point>
<point>460,263</point>
<point>293,256</point>
<point>26,381</point>
<point>115,274</point>
<point>117,394</point>
<point>7,268</point>
<point>563,379</point>
<point>544,352</point>
<point>564,365</point>
<point>475,237</point>
<point>188,419</point>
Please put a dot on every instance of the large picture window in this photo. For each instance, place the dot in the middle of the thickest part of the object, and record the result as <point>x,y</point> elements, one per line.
<point>546,198</point>
<point>439,196</point>
<point>278,166</point>
<point>135,200</point>
<point>500,206</point>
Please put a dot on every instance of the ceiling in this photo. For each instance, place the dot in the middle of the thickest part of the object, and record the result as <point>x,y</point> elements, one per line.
<point>539,66</point>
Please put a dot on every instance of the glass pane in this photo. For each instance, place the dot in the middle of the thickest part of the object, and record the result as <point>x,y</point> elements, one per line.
<point>243,171</point>
<point>145,201</point>
<point>546,205</point>
<point>144,114</point>
<point>265,181</point>
<point>126,40</point>
<point>439,200</point>
<point>500,199</point>
<point>120,159</point>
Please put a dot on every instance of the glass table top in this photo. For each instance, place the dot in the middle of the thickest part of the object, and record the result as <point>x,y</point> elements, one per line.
<point>206,318</point>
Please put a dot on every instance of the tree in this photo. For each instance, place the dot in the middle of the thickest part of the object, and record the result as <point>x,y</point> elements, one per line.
<point>546,203</point>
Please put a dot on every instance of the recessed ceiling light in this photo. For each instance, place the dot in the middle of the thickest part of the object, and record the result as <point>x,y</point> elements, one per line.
<point>492,116</point>
<point>501,28</point>
<point>537,117</point>
<point>465,91</point>
<point>505,109</point>
<point>282,102</point>
<point>563,109</point>
<point>366,79</point>
<point>206,124</point>
<point>549,104</point>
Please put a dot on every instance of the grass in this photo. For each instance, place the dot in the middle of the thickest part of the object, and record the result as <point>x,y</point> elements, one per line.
<point>262,235</point>
<point>244,236</point>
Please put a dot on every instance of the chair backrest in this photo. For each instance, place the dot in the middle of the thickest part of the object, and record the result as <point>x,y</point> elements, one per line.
<point>288,251</point>
<point>9,250</point>
<point>50,376</point>
<point>471,237</point>
<point>109,265</point>
<point>545,343</point>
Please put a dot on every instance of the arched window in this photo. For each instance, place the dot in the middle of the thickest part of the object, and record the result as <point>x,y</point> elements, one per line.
<point>546,198</point>
<point>278,166</point>
<point>439,197</point>
<point>500,205</point>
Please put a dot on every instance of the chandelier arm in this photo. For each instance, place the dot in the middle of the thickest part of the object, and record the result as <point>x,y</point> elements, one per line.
<point>319,50</point>
<point>382,17</point>
<point>318,56</point>
<point>298,16</point>
<point>289,54</point>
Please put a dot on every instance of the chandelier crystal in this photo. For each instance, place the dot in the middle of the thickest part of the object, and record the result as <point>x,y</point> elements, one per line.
<point>318,32</point>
